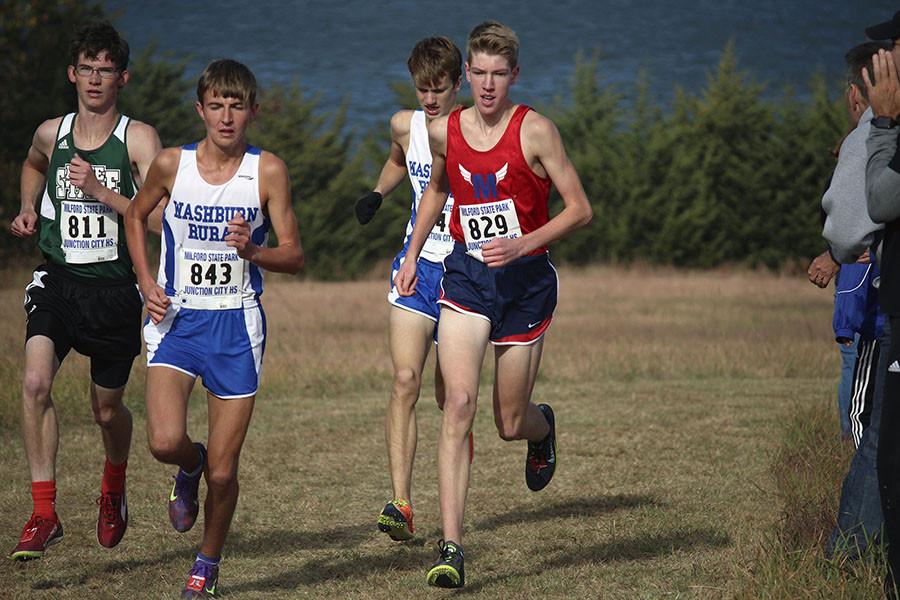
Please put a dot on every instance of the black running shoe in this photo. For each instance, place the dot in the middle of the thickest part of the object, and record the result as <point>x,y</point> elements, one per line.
<point>540,462</point>
<point>448,570</point>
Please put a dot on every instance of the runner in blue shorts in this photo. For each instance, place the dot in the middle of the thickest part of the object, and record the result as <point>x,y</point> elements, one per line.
<point>435,65</point>
<point>205,317</point>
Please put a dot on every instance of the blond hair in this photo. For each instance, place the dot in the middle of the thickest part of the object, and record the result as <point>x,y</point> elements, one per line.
<point>496,39</point>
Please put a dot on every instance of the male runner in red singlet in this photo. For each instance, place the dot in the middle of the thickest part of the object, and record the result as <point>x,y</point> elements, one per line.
<point>499,160</point>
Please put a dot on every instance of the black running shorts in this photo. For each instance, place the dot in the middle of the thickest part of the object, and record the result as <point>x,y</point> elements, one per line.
<point>99,319</point>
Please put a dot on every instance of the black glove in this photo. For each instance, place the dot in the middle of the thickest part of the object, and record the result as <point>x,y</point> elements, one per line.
<point>367,206</point>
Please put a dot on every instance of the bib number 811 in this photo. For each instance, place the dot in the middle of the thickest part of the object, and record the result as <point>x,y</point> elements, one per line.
<point>214,275</point>
<point>487,226</point>
<point>76,232</point>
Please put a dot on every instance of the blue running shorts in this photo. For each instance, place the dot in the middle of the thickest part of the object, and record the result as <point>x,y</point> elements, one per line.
<point>223,347</point>
<point>428,289</point>
<point>518,299</point>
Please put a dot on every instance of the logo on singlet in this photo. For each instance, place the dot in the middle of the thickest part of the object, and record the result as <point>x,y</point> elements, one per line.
<point>63,145</point>
<point>484,185</point>
<point>110,178</point>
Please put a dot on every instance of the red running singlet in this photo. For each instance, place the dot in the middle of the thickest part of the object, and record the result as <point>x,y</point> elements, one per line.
<point>497,194</point>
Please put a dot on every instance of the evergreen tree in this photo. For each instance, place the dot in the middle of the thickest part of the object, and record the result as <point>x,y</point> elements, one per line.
<point>159,93</point>
<point>712,193</point>
<point>590,130</point>
<point>323,178</point>
<point>34,54</point>
<point>802,162</point>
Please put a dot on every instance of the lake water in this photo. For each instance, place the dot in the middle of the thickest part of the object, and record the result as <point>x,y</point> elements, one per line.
<point>350,50</point>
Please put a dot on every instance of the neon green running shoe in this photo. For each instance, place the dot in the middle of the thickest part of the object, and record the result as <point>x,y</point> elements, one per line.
<point>448,571</point>
<point>396,520</point>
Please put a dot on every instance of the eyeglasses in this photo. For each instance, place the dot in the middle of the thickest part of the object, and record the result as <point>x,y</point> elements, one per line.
<point>103,72</point>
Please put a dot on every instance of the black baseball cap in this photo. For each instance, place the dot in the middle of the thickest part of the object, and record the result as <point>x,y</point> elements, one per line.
<point>889,30</point>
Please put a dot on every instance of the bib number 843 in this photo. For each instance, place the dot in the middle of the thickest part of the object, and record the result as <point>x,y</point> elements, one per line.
<point>216,274</point>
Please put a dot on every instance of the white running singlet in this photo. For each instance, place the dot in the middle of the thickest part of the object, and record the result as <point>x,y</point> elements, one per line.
<point>418,163</point>
<point>197,269</point>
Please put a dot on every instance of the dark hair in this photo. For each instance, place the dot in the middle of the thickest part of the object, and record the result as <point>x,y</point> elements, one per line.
<point>432,58</point>
<point>859,57</point>
<point>96,37</point>
<point>229,79</point>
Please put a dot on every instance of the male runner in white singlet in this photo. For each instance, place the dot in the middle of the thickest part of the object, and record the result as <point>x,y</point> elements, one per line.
<point>435,65</point>
<point>205,316</point>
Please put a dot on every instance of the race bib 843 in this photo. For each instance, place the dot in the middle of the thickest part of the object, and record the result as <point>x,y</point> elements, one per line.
<point>210,279</point>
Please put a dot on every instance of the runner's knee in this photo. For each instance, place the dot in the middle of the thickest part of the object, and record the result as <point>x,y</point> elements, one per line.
<point>36,388</point>
<point>460,406</point>
<point>105,414</point>
<point>509,426</point>
<point>164,446</point>
<point>407,383</point>
<point>221,476</point>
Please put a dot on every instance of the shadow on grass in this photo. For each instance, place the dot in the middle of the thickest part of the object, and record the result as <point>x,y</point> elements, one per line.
<point>574,507</point>
<point>278,542</point>
<point>405,557</point>
<point>318,571</point>
<point>631,549</point>
<point>274,542</point>
<point>402,558</point>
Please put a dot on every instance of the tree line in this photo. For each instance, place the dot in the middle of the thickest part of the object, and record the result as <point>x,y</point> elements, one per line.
<point>721,175</point>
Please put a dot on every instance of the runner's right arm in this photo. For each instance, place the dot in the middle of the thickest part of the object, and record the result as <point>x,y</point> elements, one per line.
<point>157,186</point>
<point>430,206</point>
<point>34,178</point>
<point>392,173</point>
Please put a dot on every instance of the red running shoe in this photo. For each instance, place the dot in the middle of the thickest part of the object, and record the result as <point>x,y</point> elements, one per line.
<point>37,535</point>
<point>113,519</point>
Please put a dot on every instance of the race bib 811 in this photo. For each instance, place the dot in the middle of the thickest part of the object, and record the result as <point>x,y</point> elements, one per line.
<point>89,232</point>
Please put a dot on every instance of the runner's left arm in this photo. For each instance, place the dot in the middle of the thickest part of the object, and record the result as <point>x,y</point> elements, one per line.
<point>143,147</point>
<point>542,142</point>
<point>287,256</point>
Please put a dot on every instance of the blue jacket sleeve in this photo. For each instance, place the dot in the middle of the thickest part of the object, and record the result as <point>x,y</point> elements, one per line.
<point>851,300</point>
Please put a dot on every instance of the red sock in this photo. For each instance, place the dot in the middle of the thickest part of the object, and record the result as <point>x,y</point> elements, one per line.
<point>113,478</point>
<point>43,493</point>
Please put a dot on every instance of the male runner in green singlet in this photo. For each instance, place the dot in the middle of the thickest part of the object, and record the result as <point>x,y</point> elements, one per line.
<point>80,174</point>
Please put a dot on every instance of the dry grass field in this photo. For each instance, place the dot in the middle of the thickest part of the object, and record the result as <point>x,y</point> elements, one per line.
<point>674,394</point>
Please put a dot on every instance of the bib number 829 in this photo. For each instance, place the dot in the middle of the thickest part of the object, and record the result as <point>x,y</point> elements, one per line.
<point>220,276</point>
<point>487,227</point>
